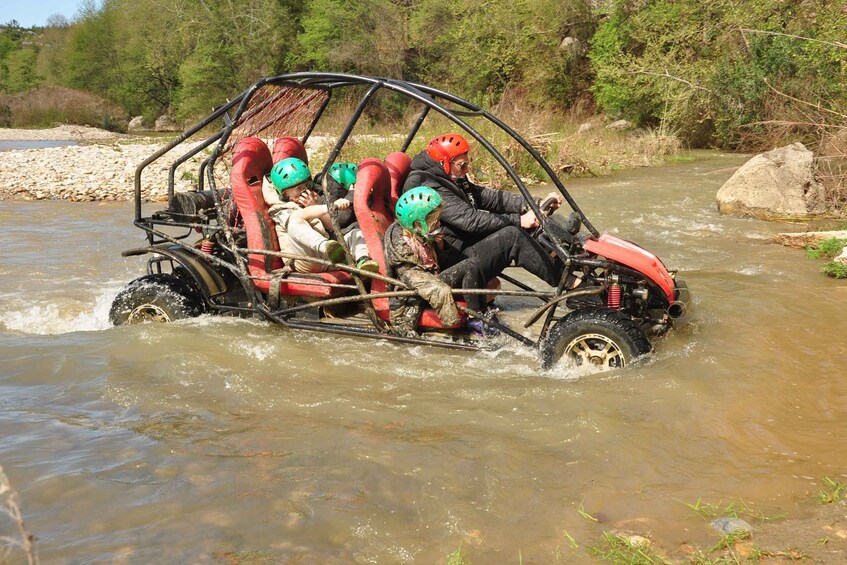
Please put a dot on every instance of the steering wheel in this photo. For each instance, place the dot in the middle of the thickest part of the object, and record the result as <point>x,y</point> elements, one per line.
<point>547,210</point>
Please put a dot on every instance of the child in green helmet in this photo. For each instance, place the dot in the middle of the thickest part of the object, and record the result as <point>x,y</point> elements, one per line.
<point>338,191</point>
<point>303,225</point>
<point>410,255</point>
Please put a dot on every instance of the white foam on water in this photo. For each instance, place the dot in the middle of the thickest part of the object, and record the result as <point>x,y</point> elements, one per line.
<point>52,317</point>
<point>751,270</point>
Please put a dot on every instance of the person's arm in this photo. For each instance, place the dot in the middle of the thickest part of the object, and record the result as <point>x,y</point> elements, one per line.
<point>460,216</point>
<point>435,291</point>
<point>499,201</point>
<point>317,212</point>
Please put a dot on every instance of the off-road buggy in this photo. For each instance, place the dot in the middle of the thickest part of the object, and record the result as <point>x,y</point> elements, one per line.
<point>214,250</point>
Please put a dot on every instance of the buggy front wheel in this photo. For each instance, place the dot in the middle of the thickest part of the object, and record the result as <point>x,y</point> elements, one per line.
<point>596,338</point>
<point>159,297</point>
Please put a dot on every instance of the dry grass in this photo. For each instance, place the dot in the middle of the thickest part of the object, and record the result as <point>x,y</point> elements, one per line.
<point>22,540</point>
<point>54,105</point>
<point>556,137</point>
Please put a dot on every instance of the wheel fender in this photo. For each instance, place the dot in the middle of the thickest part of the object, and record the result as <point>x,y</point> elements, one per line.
<point>634,257</point>
<point>208,279</point>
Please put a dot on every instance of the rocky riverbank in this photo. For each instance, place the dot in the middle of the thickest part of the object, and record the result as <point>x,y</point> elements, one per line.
<point>101,168</point>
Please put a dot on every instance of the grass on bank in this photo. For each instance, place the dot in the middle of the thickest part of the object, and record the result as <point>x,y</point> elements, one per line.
<point>573,145</point>
<point>828,250</point>
<point>831,491</point>
<point>50,106</point>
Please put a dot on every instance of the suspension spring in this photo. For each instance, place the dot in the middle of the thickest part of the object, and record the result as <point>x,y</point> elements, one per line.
<point>207,246</point>
<point>614,299</point>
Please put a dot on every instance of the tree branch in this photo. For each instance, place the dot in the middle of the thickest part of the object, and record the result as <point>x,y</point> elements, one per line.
<point>744,30</point>
<point>816,106</point>
<point>666,74</point>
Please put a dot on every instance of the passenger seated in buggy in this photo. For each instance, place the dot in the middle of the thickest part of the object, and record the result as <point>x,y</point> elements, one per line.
<point>338,192</point>
<point>410,255</point>
<point>303,225</point>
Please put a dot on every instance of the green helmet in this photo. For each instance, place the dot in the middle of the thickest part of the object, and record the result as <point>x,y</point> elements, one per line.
<point>289,172</point>
<point>414,206</point>
<point>344,173</point>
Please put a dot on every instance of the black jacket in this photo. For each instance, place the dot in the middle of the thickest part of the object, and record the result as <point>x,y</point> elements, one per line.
<point>334,191</point>
<point>470,212</point>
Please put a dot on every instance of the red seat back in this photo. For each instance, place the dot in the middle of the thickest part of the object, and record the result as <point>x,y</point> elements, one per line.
<point>285,147</point>
<point>398,164</point>
<point>372,184</point>
<point>251,161</point>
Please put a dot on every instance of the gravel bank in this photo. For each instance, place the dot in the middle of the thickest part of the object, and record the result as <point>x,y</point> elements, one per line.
<point>102,167</point>
<point>86,173</point>
<point>61,133</point>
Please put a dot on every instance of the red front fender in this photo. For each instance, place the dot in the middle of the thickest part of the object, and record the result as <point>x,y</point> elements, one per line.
<point>631,255</point>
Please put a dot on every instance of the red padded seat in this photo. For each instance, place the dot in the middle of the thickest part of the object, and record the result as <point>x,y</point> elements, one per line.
<point>285,147</point>
<point>251,161</point>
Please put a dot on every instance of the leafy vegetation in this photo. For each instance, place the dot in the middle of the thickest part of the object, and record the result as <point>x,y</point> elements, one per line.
<point>732,509</point>
<point>831,491</point>
<point>737,75</point>
<point>828,250</point>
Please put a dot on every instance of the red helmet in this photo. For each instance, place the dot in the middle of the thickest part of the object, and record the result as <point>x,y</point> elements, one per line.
<point>445,147</point>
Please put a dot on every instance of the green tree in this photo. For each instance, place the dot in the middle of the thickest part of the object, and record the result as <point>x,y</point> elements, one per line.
<point>21,70</point>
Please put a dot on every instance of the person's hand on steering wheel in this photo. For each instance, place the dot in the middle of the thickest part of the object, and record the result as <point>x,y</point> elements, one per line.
<point>551,203</point>
<point>529,221</point>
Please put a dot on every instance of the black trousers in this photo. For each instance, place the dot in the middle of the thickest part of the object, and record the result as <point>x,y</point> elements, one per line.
<point>466,274</point>
<point>505,247</point>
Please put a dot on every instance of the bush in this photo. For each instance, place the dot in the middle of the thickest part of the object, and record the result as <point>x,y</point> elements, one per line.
<point>49,106</point>
<point>828,249</point>
<point>835,270</point>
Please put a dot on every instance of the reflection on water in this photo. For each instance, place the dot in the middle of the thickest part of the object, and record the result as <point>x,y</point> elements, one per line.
<point>216,438</point>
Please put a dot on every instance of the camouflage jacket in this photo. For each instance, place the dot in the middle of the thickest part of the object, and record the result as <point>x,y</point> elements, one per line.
<point>403,263</point>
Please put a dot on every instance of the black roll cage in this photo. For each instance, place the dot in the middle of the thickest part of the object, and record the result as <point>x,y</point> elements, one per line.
<point>232,113</point>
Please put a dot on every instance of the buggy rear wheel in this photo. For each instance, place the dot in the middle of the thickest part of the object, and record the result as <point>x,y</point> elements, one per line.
<point>159,297</point>
<point>598,338</point>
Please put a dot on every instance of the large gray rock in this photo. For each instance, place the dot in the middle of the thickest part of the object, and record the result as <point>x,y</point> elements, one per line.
<point>775,185</point>
<point>619,125</point>
<point>166,123</point>
<point>137,123</point>
<point>573,47</point>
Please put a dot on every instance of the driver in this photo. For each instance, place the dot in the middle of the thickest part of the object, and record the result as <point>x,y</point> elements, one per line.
<point>480,222</point>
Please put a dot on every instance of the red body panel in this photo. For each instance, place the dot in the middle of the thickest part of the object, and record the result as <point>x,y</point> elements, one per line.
<point>635,257</point>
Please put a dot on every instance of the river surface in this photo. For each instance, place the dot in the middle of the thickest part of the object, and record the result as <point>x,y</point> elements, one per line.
<point>34,144</point>
<point>232,441</point>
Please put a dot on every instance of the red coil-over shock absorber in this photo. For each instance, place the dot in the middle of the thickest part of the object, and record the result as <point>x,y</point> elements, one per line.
<point>207,246</point>
<point>614,299</point>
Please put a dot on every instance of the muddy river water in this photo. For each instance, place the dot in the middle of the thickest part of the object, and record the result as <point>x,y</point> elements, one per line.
<point>225,440</point>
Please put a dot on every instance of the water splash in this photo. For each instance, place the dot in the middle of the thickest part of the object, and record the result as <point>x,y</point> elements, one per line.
<point>59,315</point>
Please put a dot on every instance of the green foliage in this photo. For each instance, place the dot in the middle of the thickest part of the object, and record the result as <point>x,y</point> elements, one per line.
<point>834,270</point>
<point>729,73</point>
<point>734,74</point>
<point>458,558</point>
<point>827,249</point>
<point>616,548</point>
<point>21,70</point>
<point>833,489</point>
